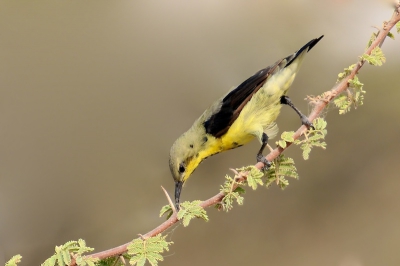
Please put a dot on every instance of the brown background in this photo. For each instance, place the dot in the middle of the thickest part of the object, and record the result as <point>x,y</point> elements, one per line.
<point>93,94</point>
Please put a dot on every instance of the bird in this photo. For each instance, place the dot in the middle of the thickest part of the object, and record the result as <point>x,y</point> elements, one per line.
<point>245,113</point>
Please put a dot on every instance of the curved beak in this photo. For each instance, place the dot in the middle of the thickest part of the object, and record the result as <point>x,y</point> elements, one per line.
<point>178,189</point>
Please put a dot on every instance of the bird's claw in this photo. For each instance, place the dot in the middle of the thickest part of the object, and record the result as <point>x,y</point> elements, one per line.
<point>262,159</point>
<point>306,122</point>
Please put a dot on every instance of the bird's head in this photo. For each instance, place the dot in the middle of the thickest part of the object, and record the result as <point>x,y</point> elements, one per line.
<point>185,156</point>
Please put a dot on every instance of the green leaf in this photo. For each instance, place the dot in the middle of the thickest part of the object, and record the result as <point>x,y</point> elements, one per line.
<point>14,260</point>
<point>306,151</point>
<point>390,35</point>
<point>320,124</point>
<point>230,196</point>
<point>149,249</point>
<point>287,136</point>
<point>228,184</point>
<point>166,210</point>
<point>398,27</point>
<point>86,261</point>
<point>283,182</point>
<point>345,73</point>
<point>253,175</point>
<point>50,261</point>
<point>355,83</point>
<point>68,246</point>
<point>253,182</point>
<point>342,102</point>
<point>314,138</point>
<point>60,259</point>
<point>376,58</point>
<point>190,210</point>
<point>357,91</point>
<point>372,39</point>
<point>282,166</point>
<point>354,96</point>
<point>66,257</point>
<point>281,143</point>
<point>92,261</point>
<point>63,253</point>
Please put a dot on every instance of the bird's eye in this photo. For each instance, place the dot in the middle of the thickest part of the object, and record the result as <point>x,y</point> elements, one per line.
<point>181,168</point>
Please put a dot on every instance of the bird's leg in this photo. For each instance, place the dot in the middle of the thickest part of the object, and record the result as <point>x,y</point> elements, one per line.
<point>260,156</point>
<point>304,120</point>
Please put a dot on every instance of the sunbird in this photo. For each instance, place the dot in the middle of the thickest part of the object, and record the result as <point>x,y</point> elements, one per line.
<point>249,111</point>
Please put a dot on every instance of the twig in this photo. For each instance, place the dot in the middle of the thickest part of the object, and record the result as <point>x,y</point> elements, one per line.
<point>169,199</point>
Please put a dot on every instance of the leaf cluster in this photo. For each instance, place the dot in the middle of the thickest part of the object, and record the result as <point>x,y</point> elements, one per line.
<point>281,168</point>
<point>72,249</point>
<point>190,210</point>
<point>14,260</point>
<point>376,58</point>
<point>251,176</point>
<point>149,249</point>
<point>231,195</point>
<point>354,95</point>
<point>313,138</point>
<point>233,187</point>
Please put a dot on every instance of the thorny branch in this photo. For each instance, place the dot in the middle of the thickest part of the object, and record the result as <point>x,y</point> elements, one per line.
<point>317,110</point>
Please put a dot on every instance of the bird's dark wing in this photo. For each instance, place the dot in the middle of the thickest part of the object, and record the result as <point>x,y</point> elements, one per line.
<point>233,103</point>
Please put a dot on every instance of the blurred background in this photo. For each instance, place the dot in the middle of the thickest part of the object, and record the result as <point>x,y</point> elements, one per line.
<point>94,93</point>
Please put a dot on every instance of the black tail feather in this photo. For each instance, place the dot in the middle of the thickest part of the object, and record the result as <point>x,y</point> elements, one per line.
<point>308,46</point>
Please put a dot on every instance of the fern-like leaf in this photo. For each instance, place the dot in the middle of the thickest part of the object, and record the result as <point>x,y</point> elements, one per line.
<point>253,176</point>
<point>230,195</point>
<point>50,261</point>
<point>63,254</point>
<point>372,39</point>
<point>66,257</point>
<point>355,83</point>
<point>166,210</point>
<point>149,249</point>
<point>376,58</point>
<point>313,138</point>
<point>355,96</point>
<point>281,167</point>
<point>345,73</point>
<point>357,91</point>
<point>86,261</point>
<point>190,210</point>
<point>343,103</point>
<point>14,260</point>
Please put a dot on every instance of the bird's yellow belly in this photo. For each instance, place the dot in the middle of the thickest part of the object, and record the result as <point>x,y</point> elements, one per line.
<point>236,137</point>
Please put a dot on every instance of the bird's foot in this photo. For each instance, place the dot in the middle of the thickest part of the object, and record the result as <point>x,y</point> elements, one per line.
<point>306,122</point>
<point>262,159</point>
